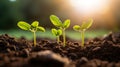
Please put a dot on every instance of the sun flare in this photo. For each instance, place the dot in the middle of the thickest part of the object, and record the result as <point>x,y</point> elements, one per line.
<point>90,6</point>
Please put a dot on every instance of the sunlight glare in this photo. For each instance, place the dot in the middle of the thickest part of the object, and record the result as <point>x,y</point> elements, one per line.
<point>90,6</point>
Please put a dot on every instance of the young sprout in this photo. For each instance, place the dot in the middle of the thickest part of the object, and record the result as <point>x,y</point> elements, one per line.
<point>63,26</point>
<point>83,28</point>
<point>57,33</point>
<point>32,28</point>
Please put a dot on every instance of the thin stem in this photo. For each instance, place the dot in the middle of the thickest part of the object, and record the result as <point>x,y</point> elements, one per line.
<point>58,39</point>
<point>34,38</point>
<point>64,38</point>
<point>82,36</point>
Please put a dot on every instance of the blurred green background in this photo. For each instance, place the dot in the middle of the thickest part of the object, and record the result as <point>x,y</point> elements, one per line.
<point>106,18</point>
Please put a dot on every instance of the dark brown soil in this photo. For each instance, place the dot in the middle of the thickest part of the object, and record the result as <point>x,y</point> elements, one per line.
<point>98,52</point>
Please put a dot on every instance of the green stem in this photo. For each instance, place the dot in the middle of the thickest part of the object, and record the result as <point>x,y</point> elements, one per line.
<point>64,38</point>
<point>34,38</point>
<point>82,36</point>
<point>58,39</point>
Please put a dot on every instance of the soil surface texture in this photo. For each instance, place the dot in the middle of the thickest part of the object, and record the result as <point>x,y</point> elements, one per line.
<point>98,52</point>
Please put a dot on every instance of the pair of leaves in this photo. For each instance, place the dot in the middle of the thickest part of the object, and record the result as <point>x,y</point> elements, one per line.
<point>56,32</point>
<point>33,27</point>
<point>57,22</point>
<point>84,26</point>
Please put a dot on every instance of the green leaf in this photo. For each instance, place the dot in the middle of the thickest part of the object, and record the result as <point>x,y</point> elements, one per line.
<point>87,25</point>
<point>56,32</point>
<point>35,24</point>
<point>90,22</point>
<point>55,21</point>
<point>42,29</point>
<point>23,25</point>
<point>76,27</point>
<point>83,26</point>
<point>66,23</point>
<point>59,32</point>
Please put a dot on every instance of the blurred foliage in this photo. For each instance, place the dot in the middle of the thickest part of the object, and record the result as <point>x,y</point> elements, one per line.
<point>9,14</point>
<point>27,10</point>
<point>5,14</point>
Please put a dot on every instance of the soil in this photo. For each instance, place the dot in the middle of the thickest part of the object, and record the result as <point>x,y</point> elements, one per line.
<point>98,52</point>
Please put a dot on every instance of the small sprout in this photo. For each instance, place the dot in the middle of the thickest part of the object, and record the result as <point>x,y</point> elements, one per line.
<point>83,28</point>
<point>57,33</point>
<point>63,26</point>
<point>32,28</point>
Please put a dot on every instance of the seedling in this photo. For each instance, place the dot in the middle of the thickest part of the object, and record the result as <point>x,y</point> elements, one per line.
<point>83,28</point>
<point>63,26</point>
<point>32,28</point>
<point>57,33</point>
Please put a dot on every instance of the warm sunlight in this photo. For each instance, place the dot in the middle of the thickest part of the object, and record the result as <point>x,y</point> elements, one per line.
<point>90,6</point>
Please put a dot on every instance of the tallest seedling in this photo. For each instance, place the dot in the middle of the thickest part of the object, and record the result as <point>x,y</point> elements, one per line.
<point>63,26</point>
